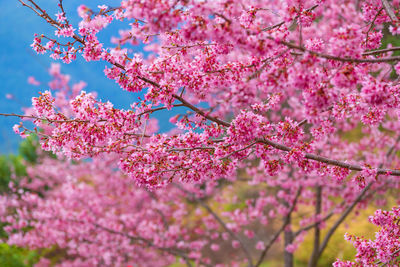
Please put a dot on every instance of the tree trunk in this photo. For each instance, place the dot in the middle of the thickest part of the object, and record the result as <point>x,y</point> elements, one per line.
<point>317,234</point>
<point>288,236</point>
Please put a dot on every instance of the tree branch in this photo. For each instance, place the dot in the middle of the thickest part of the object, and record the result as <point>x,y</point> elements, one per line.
<point>322,159</point>
<point>317,233</point>
<point>277,234</point>
<point>374,52</point>
<point>283,22</point>
<point>337,58</point>
<point>308,227</point>
<point>221,222</point>
<point>389,11</point>
<point>200,112</point>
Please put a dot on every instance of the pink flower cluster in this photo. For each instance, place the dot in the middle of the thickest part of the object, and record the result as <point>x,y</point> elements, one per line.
<point>384,249</point>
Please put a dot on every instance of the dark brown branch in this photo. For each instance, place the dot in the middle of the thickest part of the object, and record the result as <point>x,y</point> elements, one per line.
<point>278,233</point>
<point>191,148</point>
<point>239,150</point>
<point>223,17</point>
<point>157,109</point>
<point>288,239</point>
<point>372,24</point>
<point>172,251</point>
<point>283,22</point>
<point>185,46</point>
<point>317,233</point>
<point>231,233</point>
<point>288,236</point>
<point>147,242</point>
<point>34,10</point>
<point>310,226</point>
<point>389,11</point>
<point>45,119</point>
<point>337,58</point>
<point>322,159</point>
<point>220,221</point>
<point>311,156</point>
<point>266,63</point>
<point>200,112</point>
<point>341,219</point>
<point>385,50</point>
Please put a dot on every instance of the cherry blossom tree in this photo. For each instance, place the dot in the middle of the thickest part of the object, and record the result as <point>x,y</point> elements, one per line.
<point>265,94</point>
<point>385,249</point>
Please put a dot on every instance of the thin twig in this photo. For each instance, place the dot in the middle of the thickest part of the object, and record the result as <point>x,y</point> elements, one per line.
<point>372,24</point>
<point>374,52</point>
<point>239,150</point>
<point>283,22</point>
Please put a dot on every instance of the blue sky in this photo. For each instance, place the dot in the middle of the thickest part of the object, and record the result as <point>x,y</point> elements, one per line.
<point>18,25</point>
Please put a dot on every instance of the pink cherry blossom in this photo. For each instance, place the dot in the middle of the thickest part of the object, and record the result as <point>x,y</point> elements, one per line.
<point>33,81</point>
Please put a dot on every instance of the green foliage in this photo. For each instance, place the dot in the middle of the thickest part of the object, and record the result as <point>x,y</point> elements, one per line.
<point>13,167</point>
<point>12,256</point>
<point>390,39</point>
<point>10,165</point>
<point>5,173</point>
<point>18,165</point>
<point>27,149</point>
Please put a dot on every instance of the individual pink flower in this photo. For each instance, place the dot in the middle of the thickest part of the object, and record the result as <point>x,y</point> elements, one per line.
<point>102,7</point>
<point>60,17</point>
<point>65,31</point>
<point>260,245</point>
<point>33,81</point>
<point>10,96</point>
<point>235,244</point>
<point>215,247</point>
<point>16,128</point>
